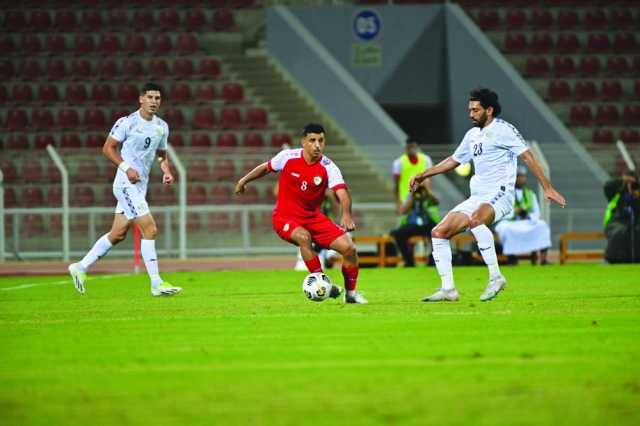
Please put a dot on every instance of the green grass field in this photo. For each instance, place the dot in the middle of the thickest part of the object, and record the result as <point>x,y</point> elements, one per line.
<point>560,347</point>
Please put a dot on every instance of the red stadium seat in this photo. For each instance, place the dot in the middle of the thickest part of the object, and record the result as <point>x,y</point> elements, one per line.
<point>161,44</point>
<point>280,139</point>
<point>602,136</point>
<point>81,69</point>
<point>563,66</point>
<point>118,113</point>
<point>101,93</point>
<point>131,69</point>
<point>175,118</point>
<point>17,141</point>
<point>253,140</point>
<point>541,43</point>
<point>32,225</point>
<point>89,171</point>
<point>32,197</point>
<point>196,195</point>
<point>31,45</point>
<point>83,197</point>
<point>231,118</point>
<point>158,68</point>
<point>205,93</point>
<point>227,140</point>
<point>195,20</point>
<point>135,44</point>
<point>176,139</point>
<point>222,220</point>
<point>515,19</point>
<point>636,90</point>
<point>17,120</point>
<point>187,44</point>
<point>119,18</point>
<point>180,92</point>
<point>30,70</point>
<point>598,43</point>
<point>70,140</point>
<point>183,68</point>
<point>541,19</point>
<point>32,171</point>
<point>204,118</point>
<point>232,92</point>
<point>590,66</point>
<point>515,43</point>
<point>257,118</point>
<point>164,195</point>
<point>580,115</point>
<point>15,20</point>
<point>75,94</point>
<point>223,170</point>
<point>4,94</point>
<point>567,19</point>
<point>595,19</point>
<point>621,18</point>
<point>94,140</point>
<point>84,44</point>
<point>585,90</point>
<point>221,195</point>
<point>607,115</point>
<point>42,119</point>
<point>7,46</point>
<point>631,115</point>
<point>22,94</point>
<point>109,44</point>
<point>194,221</point>
<point>537,66</point>
<point>68,118</point>
<point>223,20</point>
<point>65,21</point>
<point>143,20</point>
<point>558,91</point>
<point>567,43</point>
<point>40,21</point>
<point>625,43</point>
<point>48,93</point>
<point>56,69</point>
<point>630,136</point>
<point>636,64</point>
<point>10,200</point>
<point>488,19</point>
<point>199,170</point>
<point>128,94</point>
<point>56,44</point>
<point>170,20</point>
<point>91,20</point>
<point>7,70</point>
<point>200,140</point>
<point>94,119</point>
<point>611,90</point>
<point>250,195</point>
<point>618,66</point>
<point>209,68</point>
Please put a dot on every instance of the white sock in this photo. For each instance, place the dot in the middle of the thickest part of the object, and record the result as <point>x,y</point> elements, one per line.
<point>99,249</point>
<point>484,237</point>
<point>351,293</point>
<point>148,251</point>
<point>442,257</point>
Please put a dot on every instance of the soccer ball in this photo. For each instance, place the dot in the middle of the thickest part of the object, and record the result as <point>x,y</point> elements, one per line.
<point>316,286</point>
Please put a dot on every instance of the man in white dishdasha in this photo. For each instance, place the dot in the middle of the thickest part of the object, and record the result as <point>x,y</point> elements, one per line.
<point>142,136</point>
<point>494,146</point>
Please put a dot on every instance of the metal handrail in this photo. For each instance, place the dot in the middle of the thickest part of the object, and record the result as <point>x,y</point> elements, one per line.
<point>625,155</point>
<point>65,200</point>
<point>182,200</point>
<point>545,212</point>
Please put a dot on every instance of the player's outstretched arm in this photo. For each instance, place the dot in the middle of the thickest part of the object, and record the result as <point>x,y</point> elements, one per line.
<point>442,167</point>
<point>345,204</point>
<point>163,158</point>
<point>110,150</point>
<point>549,191</point>
<point>258,172</point>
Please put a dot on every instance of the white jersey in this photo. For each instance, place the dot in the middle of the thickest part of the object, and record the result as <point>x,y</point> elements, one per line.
<point>494,150</point>
<point>139,140</point>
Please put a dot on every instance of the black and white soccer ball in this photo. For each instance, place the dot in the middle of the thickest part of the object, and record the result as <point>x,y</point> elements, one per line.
<point>316,286</point>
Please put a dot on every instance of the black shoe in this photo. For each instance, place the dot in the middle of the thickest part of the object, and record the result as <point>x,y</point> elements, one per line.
<point>335,292</point>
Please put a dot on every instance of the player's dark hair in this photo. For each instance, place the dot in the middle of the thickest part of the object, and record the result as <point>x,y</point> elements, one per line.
<point>312,128</point>
<point>411,141</point>
<point>150,87</point>
<point>487,98</point>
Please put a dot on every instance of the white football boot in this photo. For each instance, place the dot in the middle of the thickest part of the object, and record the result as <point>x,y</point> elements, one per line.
<point>442,295</point>
<point>356,298</point>
<point>495,286</point>
<point>78,276</point>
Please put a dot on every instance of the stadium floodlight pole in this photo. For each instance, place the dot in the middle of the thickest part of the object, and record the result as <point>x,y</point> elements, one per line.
<point>1,216</point>
<point>65,200</point>
<point>545,211</point>
<point>625,155</point>
<point>182,202</point>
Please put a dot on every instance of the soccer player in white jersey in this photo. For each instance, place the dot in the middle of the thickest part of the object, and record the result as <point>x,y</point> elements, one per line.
<point>494,146</point>
<point>142,136</point>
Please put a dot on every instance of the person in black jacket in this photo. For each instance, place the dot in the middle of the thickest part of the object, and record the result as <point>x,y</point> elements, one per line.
<point>622,219</point>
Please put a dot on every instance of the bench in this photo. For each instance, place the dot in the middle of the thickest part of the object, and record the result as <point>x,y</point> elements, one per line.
<point>566,254</point>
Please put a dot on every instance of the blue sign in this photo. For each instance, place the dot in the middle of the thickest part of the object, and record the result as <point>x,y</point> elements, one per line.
<point>367,25</point>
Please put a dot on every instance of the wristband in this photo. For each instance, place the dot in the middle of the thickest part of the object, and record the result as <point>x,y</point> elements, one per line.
<point>124,166</point>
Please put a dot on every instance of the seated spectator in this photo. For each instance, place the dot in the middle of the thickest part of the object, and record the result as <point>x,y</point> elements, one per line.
<point>621,219</point>
<point>420,215</point>
<point>524,232</point>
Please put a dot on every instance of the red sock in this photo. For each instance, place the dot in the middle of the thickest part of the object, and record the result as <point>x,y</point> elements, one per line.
<point>313,265</point>
<point>350,274</point>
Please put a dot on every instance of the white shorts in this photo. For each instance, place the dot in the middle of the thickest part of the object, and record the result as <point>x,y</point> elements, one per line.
<point>131,201</point>
<point>501,201</point>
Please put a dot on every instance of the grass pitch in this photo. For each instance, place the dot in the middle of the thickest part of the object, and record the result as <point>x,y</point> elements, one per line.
<point>561,346</point>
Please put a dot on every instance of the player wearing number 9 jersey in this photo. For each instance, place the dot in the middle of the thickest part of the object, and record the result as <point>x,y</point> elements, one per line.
<point>142,137</point>
<point>305,175</point>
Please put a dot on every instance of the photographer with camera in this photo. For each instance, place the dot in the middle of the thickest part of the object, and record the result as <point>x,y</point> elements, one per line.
<point>622,219</point>
<point>420,215</point>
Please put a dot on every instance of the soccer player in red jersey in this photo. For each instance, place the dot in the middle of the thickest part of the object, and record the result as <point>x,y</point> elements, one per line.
<point>305,174</point>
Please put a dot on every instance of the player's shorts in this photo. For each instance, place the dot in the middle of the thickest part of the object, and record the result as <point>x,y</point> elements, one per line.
<point>323,231</point>
<point>131,201</point>
<point>501,201</point>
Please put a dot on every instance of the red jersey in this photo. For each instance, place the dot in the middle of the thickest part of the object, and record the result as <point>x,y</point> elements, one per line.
<point>301,186</point>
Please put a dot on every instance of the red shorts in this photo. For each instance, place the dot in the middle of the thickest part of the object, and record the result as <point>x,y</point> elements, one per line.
<point>323,231</point>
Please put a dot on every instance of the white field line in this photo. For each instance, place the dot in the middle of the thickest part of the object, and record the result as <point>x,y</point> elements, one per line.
<point>61,282</point>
